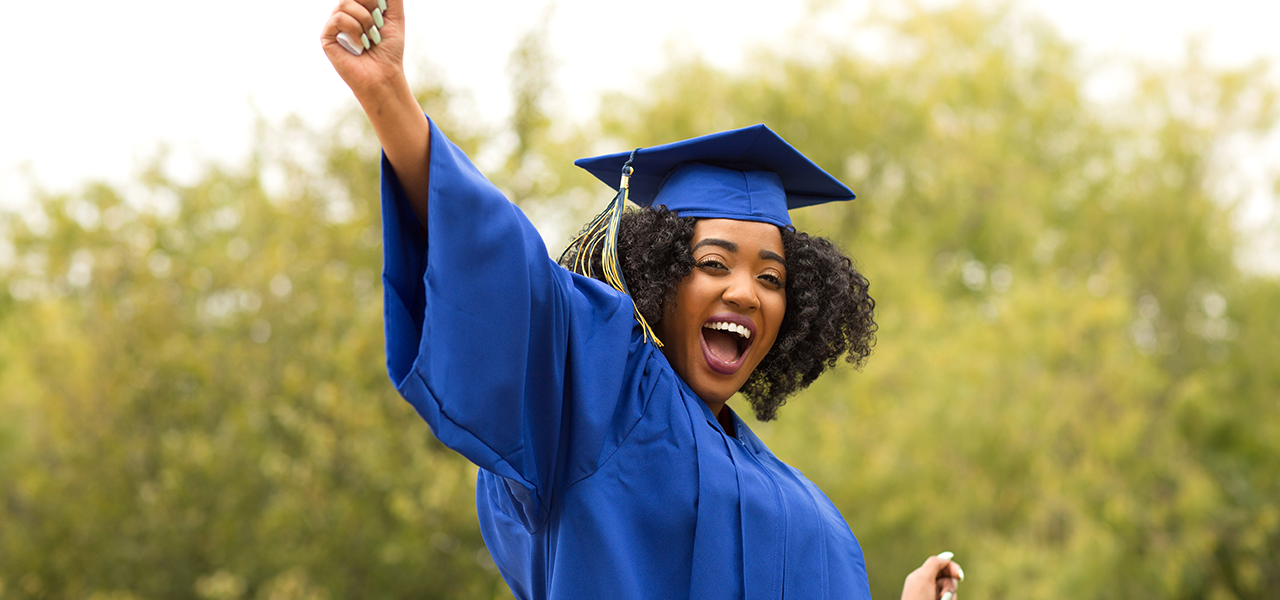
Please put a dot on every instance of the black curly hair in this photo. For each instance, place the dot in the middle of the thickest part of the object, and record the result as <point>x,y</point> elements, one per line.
<point>829,313</point>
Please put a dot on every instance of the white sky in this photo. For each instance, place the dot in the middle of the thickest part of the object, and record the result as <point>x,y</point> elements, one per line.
<point>96,86</point>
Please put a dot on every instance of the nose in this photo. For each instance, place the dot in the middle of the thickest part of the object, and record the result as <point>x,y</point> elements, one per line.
<point>740,292</point>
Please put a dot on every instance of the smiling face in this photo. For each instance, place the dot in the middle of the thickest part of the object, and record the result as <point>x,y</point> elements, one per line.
<point>727,311</point>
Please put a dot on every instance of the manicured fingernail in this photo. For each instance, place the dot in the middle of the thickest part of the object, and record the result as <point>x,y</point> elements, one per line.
<point>377,17</point>
<point>382,4</point>
<point>348,44</point>
<point>374,35</point>
<point>946,555</point>
<point>364,39</point>
<point>961,572</point>
<point>946,595</point>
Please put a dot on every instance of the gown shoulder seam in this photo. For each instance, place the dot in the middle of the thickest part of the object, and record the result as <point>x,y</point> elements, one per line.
<point>445,415</point>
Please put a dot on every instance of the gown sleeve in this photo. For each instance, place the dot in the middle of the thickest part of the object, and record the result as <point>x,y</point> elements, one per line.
<point>514,362</point>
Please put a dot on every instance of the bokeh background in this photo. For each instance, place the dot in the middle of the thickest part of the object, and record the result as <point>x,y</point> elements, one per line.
<point>1077,381</point>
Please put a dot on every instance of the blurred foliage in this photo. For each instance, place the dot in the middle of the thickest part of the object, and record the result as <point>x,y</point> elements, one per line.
<point>194,399</point>
<point>1076,389</point>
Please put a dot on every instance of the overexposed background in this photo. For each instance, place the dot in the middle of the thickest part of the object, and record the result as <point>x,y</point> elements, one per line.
<point>101,87</point>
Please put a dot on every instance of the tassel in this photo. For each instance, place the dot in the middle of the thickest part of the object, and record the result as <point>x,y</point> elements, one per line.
<point>603,230</point>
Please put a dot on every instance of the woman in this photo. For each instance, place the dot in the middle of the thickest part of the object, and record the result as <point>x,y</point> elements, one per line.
<point>610,463</point>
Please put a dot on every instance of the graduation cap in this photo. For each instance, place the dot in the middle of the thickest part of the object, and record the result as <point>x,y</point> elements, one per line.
<point>748,174</point>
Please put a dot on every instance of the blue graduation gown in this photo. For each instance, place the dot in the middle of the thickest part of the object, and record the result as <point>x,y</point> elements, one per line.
<point>602,474</point>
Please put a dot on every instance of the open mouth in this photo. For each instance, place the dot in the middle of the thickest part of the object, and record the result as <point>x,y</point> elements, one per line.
<point>725,342</point>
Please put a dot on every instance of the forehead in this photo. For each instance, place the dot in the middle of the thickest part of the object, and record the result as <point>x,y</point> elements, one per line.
<point>749,236</point>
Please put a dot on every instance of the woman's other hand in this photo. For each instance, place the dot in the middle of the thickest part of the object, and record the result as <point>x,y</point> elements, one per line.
<point>936,579</point>
<point>376,28</point>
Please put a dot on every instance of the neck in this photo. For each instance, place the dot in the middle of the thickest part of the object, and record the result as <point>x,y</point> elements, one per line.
<point>723,416</point>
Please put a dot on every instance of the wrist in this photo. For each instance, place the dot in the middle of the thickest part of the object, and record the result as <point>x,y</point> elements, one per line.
<point>392,110</point>
<point>389,95</point>
<point>398,120</point>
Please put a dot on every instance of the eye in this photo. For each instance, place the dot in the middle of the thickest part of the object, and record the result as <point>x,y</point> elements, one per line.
<point>772,279</point>
<point>712,264</point>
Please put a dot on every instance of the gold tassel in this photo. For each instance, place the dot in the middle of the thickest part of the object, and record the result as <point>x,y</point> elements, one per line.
<point>604,229</point>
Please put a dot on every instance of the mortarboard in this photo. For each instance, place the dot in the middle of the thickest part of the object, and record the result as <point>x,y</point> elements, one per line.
<point>748,174</point>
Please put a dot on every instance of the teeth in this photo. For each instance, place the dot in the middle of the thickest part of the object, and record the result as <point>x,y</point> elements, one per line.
<point>731,327</point>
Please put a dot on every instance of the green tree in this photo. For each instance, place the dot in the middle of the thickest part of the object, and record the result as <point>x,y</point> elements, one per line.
<point>1074,388</point>
<point>195,398</point>
<point>1068,384</point>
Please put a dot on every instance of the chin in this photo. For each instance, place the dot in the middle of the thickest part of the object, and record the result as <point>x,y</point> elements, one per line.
<point>713,396</point>
<point>715,388</point>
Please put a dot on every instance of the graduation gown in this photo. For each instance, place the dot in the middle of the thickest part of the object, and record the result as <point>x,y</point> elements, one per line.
<point>602,475</point>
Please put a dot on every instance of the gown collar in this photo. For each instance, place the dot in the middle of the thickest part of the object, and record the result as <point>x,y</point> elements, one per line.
<point>760,523</point>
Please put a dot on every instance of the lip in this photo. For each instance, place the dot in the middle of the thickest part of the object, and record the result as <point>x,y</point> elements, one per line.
<point>716,364</point>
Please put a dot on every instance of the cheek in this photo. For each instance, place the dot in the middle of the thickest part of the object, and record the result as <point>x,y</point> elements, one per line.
<point>684,298</point>
<point>777,311</point>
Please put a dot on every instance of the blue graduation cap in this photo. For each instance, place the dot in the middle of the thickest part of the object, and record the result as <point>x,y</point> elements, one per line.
<point>749,174</point>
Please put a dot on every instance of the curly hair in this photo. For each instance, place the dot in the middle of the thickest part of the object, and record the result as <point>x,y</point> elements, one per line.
<point>829,312</point>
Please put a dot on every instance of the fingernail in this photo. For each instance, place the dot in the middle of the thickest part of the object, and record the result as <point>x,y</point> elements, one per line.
<point>946,555</point>
<point>374,35</point>
<point>364,39</point>
<point>955,582</point>
<point>961,572</point>
<point>377,17</point>
<point>382,4</point>
<point>348,44</point>
<point>946,595</point>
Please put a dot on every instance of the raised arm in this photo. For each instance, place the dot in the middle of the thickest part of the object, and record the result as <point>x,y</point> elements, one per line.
<point>517,364</point>
<point>377,78</point>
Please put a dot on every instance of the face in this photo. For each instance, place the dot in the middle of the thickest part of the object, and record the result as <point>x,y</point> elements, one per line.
<point>727,311</point>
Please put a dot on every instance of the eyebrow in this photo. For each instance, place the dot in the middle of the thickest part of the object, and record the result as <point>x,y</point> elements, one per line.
<point>726,244</point>
<point>732,247</point>
<point>770,255</point>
